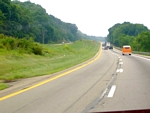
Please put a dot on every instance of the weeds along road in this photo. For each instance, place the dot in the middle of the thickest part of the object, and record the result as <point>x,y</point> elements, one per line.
<point>87,88</point>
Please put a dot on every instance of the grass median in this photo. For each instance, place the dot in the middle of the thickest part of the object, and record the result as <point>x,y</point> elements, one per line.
<point>56,58</point>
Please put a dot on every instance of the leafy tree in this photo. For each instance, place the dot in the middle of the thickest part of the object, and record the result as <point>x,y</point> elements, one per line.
<point>26,19</point>
<point>124,33</point>
<point>142,41</point>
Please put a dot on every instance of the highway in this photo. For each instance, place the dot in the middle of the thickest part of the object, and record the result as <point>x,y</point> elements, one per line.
<point>109,83</point>
<point>130,89</point>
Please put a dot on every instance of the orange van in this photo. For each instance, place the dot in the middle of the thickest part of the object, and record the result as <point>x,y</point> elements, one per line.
<point>126,49</point>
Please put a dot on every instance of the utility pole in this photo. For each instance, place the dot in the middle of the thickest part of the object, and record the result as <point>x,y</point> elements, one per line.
<point>43,34</point>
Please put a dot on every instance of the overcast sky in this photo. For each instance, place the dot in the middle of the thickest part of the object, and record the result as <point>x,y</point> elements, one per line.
<point>95,17</point>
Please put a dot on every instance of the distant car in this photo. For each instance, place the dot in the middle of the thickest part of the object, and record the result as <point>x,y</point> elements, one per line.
<point>105,48</point>
<point>111,47</point>
<point>126,49</point>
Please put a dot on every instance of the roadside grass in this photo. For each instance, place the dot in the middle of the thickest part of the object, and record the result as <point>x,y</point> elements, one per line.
<point>14,65</point>
<point>3,86</point>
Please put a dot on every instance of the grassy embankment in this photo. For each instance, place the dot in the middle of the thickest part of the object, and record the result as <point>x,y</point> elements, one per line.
<point>15,65</point>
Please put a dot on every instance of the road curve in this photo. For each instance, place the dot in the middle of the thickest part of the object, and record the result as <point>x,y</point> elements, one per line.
<point>73,93</point>
<point>112,82</point>
<point>131,88</point>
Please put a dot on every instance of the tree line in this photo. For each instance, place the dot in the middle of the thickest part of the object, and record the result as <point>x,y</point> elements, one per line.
<point>26,19</point>
<point>136,35</point>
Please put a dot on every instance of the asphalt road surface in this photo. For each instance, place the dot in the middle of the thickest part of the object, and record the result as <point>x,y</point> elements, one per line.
<point>111,82</point>
<point>130,89</point>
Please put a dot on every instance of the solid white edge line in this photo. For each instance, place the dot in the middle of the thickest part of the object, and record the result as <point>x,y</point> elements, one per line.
<point>112,91</point>
<point>141,57</point>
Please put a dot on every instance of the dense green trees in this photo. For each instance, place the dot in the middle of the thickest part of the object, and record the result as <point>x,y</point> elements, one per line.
<point>136,35</point>
<point>26,19</point>
<point>142,42</point>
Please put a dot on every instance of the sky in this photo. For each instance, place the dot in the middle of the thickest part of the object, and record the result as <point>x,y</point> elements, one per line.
<point>95,17</point>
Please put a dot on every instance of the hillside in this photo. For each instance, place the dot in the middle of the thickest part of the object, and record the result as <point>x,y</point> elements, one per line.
<point>21,62</point>
<point>26,19</point>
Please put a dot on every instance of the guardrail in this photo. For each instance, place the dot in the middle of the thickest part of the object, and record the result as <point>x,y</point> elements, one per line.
<point>135,52</point>
<point>141,53</point>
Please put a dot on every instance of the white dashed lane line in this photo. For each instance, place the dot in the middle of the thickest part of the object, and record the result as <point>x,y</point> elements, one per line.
<point>120,59</point>
<point>120,62</point>
<point>119,70</point>
<point>112,91</point>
